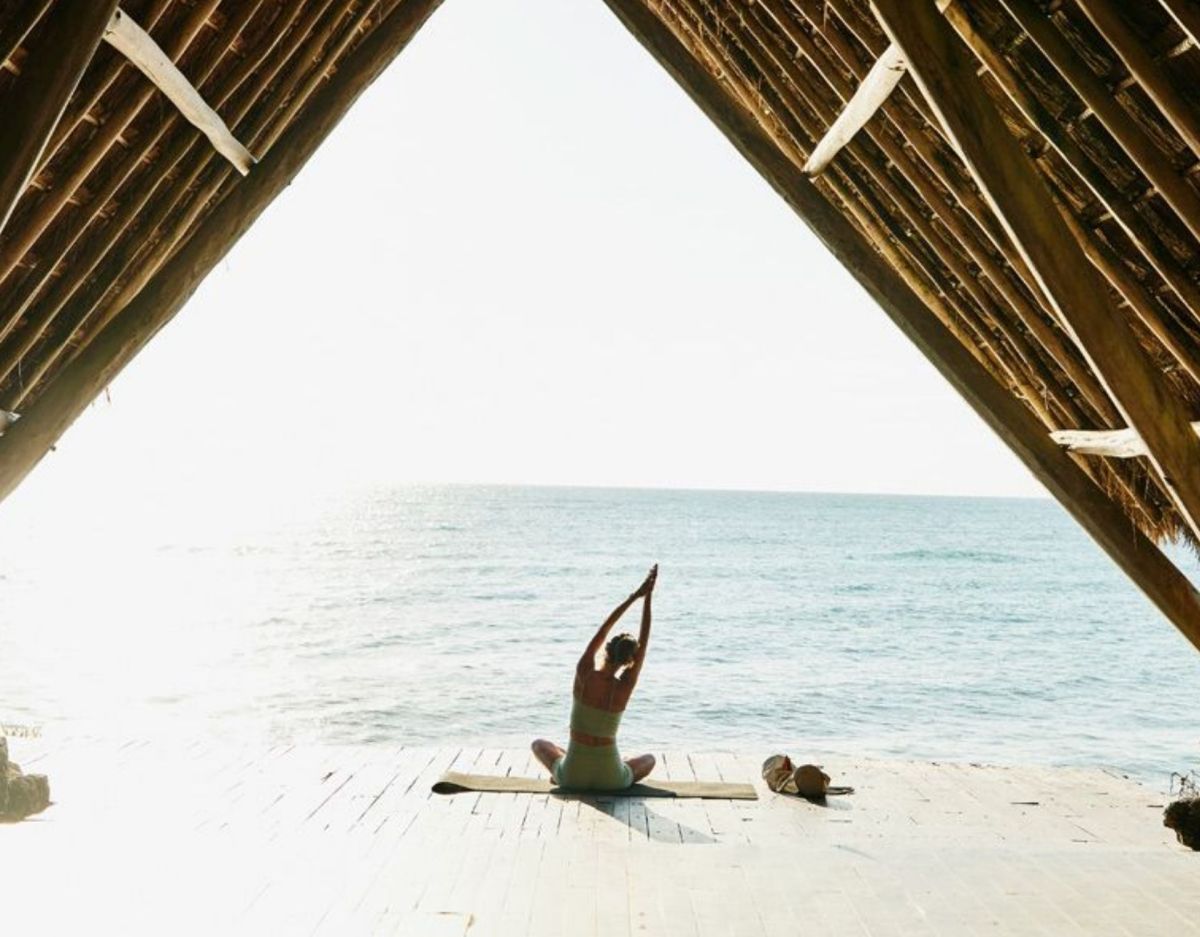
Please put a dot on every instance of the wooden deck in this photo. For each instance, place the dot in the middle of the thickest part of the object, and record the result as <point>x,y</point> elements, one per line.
<point>199,838</point>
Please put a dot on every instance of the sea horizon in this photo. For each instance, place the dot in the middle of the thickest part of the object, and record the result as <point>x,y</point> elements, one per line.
<point>946,627</point>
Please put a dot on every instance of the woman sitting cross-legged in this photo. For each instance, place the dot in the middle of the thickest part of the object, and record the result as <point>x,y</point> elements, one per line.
<point>591,761</point>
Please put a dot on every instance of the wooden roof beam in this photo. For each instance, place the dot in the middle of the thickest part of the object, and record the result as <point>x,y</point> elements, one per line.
<point>945,72</point>
<point>1141,560</point>
<point>880,82</point>
<point>68,41</point>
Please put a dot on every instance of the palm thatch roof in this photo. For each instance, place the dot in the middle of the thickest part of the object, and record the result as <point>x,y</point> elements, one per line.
<point>1016,183</point>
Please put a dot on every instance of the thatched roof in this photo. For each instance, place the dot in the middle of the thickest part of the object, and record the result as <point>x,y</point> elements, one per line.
<point>1025,203</point>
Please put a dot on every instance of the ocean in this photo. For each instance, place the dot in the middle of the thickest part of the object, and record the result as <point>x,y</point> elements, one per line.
<point>962,629</point>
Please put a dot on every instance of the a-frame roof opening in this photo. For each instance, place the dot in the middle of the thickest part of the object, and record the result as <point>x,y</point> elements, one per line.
<point>115,216</point>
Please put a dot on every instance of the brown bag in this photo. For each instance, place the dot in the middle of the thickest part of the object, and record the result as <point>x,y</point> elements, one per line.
<point>808,781</point>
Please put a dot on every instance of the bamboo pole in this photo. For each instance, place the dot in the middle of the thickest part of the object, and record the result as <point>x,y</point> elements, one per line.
<point>757,46</point>
<point>1016,426</point>
<point>1178,110</point>
<point>65,398</point>
<point>1052,130</point>
<point>1149,158</point>
<point>33,107</point>
<point>975,212</point>
<point>78,111</point>
<point>1012,373</point>
<point>135,266</point>
<point>16,27</point>
<point>1187,14</point>
<point>1025,206</point>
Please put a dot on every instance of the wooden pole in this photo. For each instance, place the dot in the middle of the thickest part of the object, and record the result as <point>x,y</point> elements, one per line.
<point>22,447</point>
<point>16,26</point>
<point>1115,202</point>
<point>1177,192</point>
<point>1180,111</point>
<point>1141,560</point>
<point>70,34</point>
<point>945,72</point>
<point>1187,14</point>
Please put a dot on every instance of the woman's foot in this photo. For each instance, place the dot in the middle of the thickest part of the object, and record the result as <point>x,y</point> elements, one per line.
<point>547,753</point>
<point>641,766</point>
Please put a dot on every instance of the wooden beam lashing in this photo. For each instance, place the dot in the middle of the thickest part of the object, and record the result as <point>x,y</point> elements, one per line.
<point>67,39</point>
<point>1141,560</point>
<point>77,384</point>
<point>880,82</point>
<point>133,42</point>
<point>945,72</point>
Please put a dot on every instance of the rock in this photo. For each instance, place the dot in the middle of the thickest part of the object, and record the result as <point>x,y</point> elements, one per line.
<point>20,794</point>
<point>1183,816</point>
<point>27,794</point>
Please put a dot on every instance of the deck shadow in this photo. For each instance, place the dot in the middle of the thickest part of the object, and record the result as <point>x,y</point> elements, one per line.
<point>657,828</point>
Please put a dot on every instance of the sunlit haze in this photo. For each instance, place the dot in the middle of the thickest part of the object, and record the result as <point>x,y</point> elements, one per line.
<point>524,257</point>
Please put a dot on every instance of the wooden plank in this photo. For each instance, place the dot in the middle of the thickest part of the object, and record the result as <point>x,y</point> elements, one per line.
<point>1140,559</point>
<point>879,82</point>
<point>23,446</point>
<point>68,40</point>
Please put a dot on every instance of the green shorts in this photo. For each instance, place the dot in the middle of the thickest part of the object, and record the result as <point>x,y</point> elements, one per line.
<point>592,768</point>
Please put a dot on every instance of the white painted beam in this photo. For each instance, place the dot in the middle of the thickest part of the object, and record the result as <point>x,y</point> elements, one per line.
<point>133,42</point>
<point>880,81</point>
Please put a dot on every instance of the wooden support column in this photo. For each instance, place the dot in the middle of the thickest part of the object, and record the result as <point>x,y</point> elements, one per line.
<point>70,34</point>
<point>945,72</point>
<point>23,446</point>
<point>1140,559</point>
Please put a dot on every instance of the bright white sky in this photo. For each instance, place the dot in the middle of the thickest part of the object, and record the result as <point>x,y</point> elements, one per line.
<point>526,256</point>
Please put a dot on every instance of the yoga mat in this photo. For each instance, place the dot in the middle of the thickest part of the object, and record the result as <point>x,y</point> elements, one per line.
<point>454,783</point>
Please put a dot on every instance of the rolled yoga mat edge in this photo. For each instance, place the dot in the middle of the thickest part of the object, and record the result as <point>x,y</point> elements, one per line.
<point>452,782</point>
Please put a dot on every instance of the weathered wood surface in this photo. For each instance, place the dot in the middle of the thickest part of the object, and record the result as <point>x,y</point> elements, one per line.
<point>203,837</point>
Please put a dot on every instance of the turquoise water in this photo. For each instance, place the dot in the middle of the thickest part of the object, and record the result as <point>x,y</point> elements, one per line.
<point>956,628</point>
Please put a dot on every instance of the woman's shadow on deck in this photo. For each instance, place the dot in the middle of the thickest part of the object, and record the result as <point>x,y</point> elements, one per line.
<point>637,814</point>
